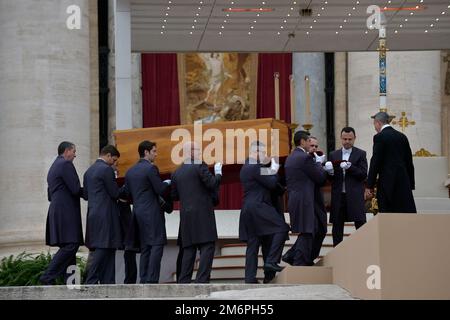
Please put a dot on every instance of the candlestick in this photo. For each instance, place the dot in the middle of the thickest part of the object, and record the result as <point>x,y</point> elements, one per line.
<point>292,88</point>
<point>307,101</point>
<point>276,76</point>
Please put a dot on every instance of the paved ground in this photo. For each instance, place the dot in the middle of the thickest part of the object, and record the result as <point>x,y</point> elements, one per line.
<point>178,291</point>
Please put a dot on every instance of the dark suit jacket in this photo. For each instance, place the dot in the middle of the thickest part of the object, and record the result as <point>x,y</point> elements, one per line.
<point>392,163</point>
<point>144,185</point>
<point>102,223</point>
<point>193,185</point>
<point>259,216</point>
<point>302,175</point>
<point>355,178</point>
<point>64,214</point>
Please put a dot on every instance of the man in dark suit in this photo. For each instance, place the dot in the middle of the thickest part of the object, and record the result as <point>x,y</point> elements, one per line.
<point>392,163</point>
<point>347,169</point>
<point>259,222</point>
<point>320,211</point>
<point>63,228</point>
<point>144,185</point>
<point>194,186</point>
<point>103,233</point>
<point>303,172</point>
<point>320,227</point>
<point>130,245</point>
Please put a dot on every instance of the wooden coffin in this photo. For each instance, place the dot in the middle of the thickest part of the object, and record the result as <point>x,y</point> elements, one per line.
<point>236,136</point>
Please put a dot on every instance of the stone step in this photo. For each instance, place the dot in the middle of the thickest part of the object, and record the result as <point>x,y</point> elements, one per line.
<point>305,275</point>
<point>233,272</point>
<point>240,248</point>
<point>231,261</point>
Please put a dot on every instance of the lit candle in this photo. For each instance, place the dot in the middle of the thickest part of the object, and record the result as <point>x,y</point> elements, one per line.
<point>307,101</point>
<point>276,76</point>
<point>292,82</point>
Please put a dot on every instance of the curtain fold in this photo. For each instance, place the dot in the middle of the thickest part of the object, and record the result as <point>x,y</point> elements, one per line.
<point>268,64</point>
<point>160,96</point>
<point>161,106</point>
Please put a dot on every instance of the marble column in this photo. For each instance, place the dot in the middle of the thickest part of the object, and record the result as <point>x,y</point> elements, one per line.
<point>44,99</point>
<point>94,79</point>
<point>445,89</point>
<point>340,95</point>
<point>124,72</point>
<point>313,65</point>
<point>413,86</point>
<point>136,90</point>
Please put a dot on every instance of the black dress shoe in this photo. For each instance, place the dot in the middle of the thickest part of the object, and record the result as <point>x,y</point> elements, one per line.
<point>45,282</point>
<point>252,282</point>
<point>272,267</point>
<point>288,258</point>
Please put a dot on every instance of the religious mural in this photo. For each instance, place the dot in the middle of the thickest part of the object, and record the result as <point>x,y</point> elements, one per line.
<point>216,87</point>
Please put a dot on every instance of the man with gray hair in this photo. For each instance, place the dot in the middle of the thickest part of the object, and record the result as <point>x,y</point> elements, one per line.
<point>392,163</point>
<point>194,186</point>
<point>260,224</point>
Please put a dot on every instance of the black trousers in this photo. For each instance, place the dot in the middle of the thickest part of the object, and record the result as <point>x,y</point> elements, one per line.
<point>150,263</point>
<point>302,250</point>
<point>338,225</point>
<point>320,232</point>
<point>101,266</point>
<point>179,261</point>
<point>65,257</point>
<point>130,267</point>
<point>312,245</point>
<point>271,247</point>
<point>204,269</point>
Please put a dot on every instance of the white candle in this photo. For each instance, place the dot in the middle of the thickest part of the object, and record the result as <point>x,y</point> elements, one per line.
<point>292,82</point>
<point>276,76</point>
<point>307,101</point>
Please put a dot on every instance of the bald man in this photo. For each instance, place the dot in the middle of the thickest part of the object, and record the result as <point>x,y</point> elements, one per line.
<point>194,186</point>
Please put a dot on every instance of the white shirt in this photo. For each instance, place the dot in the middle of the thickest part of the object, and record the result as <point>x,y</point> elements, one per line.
<point>385,126</point>
<point>345,156</point>
<point>301,149</point>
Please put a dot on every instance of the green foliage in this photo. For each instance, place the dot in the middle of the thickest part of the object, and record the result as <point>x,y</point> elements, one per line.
<point>26,268</point>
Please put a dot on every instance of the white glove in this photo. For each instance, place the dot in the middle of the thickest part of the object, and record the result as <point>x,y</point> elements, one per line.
<point>319,159</point>
<point>218,168</point>
<point>345,165</point>
<point>274,166</point>
<point>329,167</point>
<point>168,181</point>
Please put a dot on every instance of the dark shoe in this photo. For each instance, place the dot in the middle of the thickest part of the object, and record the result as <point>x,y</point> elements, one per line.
<point>252,282</point>
<point>272,267</point>
<point>268,279</point>
<point>45,282</point>
<point>288,258</point>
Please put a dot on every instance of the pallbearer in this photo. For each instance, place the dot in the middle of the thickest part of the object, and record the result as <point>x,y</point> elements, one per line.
<point>103,232</point>
<point>63,228</point>
<point>195,187</point>
<point>303,173</point>
<point>144,185</point>
<point>260,224</point>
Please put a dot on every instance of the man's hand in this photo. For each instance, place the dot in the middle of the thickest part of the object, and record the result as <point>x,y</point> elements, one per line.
<point>329,167</point>
<point>218,168</point>
<point>368,194</point>
<point>274,166</point>
<point>345,165</point>
<point>319,159</point>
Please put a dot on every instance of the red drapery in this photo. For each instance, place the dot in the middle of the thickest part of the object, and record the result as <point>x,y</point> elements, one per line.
<point>268,64</point>
<point>160,103</point>
<point>160,96</point>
